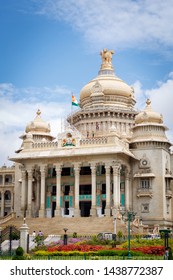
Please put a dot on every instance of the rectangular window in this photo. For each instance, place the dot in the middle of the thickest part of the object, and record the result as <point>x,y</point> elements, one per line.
<point>145,183</point>
<point>8,179</point>
<point>167,184</point>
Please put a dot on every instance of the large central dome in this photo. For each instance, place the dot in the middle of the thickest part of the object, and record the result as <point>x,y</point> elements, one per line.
<point>107,89</point>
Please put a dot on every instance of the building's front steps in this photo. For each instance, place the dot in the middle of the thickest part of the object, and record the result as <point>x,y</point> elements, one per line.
<point>79,225</point>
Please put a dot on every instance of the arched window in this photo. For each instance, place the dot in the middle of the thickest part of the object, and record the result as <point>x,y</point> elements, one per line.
<point>7,195</point>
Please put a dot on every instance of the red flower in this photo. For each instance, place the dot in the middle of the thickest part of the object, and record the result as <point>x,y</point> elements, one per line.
<point>155,250</point>
<point>73,247</point>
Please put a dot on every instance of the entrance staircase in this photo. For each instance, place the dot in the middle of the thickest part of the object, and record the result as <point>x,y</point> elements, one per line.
<point>80,225</point>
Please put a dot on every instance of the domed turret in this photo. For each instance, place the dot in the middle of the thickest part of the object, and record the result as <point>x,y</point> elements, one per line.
<point>148,115</point>
<point>38,130</point>
<point>38,125</point>
<point>149,128</point>
<point>107,89</point>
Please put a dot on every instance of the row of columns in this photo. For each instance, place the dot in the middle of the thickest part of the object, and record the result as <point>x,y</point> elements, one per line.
<point>116,189</point>
<point>26,192</point>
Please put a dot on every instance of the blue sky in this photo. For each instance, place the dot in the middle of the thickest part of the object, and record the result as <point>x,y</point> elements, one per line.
<point>50,48</point>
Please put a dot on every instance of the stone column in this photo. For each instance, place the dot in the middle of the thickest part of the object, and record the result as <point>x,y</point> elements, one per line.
<point>23,191</point>
<point>37,193</point>
<point>2,203</point>
<point>127,190</point>
<point>77,175</point>
<point>58,189</point>
<point>119,193</point>
<point>108,189</point>
<point>30,178</point>
<point>43,193</point>
<point>93,210</point>
<point>116,186</point>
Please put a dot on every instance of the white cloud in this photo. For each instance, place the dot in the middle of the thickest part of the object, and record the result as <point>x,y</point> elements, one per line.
<point>19,107</point>
<point>141,24</point>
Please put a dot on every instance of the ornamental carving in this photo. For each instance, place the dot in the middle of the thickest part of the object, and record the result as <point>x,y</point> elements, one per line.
<point>144,162</point>
<point>69,140</point>
<point>97,88</point>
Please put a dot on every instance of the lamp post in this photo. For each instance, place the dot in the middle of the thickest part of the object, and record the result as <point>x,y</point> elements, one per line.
<point>129,216</point>
<point>115,225</point>
<point>165,233</point>
<point>65,236</point>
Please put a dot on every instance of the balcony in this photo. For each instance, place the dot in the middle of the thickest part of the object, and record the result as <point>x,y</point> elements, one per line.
<point>168,193</point>
<point>144,192</point>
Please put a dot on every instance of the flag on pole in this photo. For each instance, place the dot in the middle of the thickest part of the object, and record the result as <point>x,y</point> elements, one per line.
<point>74,101</point>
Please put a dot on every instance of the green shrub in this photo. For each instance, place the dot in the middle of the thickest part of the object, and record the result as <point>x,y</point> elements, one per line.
<point>120,234</point>
<point>19,251</point>
<point>74,234</point>
<point>19,254</point>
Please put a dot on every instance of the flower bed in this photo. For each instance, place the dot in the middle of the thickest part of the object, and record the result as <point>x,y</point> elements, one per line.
<point>75,247</point>
<point>94,247</point>
<point>154,250</point>
<point>98,250</point>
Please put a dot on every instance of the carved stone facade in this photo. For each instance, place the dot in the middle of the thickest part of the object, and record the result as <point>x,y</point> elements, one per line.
<point>109,157</point>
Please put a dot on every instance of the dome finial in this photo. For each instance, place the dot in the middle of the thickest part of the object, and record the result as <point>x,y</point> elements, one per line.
<point>148,102</point>
<point>106,58</point>
<point>38,112</point>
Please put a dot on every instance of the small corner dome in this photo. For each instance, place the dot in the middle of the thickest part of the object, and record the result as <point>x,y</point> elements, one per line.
<point>38,125</point>
<point>148,115</point>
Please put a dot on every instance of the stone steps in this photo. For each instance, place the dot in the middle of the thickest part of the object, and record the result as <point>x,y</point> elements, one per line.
<point>80,225</point>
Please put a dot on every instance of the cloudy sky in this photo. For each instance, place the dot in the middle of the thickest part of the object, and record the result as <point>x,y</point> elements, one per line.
<point>50,48</point>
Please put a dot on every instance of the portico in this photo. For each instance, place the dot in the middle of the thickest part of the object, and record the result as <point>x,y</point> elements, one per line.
<point>81,189</point>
